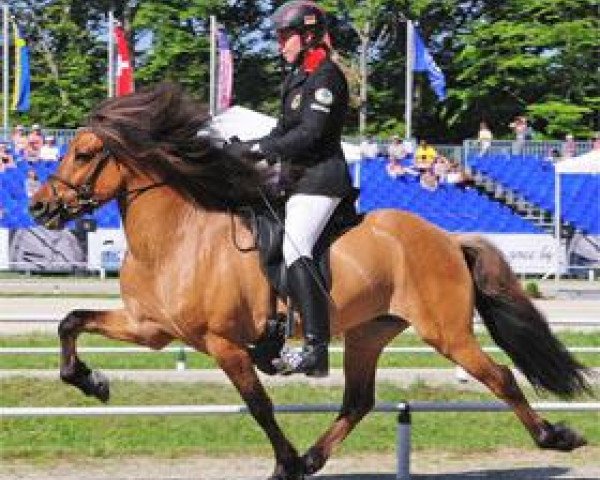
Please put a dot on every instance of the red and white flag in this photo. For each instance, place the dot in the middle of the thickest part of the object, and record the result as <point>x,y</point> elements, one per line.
<point>225,80</point>
<point>124,80</point>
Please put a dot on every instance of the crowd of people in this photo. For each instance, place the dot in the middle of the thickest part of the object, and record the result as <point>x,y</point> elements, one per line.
<point>423,162</point>
<point>28,147</point>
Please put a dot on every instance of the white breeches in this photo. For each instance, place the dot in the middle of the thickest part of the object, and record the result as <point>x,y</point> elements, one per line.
<point>305,218</point>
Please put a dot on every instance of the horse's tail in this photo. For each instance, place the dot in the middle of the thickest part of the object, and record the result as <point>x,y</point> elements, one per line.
<point>517,326</point>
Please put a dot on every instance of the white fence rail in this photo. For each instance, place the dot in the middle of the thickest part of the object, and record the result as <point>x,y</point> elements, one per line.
<point>403,409</point>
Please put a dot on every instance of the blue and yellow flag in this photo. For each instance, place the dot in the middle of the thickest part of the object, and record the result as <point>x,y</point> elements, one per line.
<point>22,91</point>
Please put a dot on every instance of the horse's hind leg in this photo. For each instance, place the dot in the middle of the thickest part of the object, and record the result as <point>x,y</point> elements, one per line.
<point>501,381</point>
<point>115,324</point>
<point>362,347</point>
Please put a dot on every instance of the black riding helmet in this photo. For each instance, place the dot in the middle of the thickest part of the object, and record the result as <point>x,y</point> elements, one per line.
<point>301,16</point>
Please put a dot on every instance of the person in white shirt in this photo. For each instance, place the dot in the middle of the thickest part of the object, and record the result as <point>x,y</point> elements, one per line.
<point>49,150</point>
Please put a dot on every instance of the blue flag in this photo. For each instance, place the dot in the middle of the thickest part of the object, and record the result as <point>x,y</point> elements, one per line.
<point>424,62</point>
<point>22,92</point>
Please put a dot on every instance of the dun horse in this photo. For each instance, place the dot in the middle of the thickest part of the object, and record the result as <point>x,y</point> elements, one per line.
<point>185,278</point>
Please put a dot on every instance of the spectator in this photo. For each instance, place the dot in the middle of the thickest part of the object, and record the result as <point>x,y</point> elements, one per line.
<point>553,155</point>
<point>596,141</point>
<point>35,140</point>
<point>49,150</point>
<point>441,167</point>
<point>424,156</point>
<point>396,150</point>
<point>369,149</point>
<point>409,148</point>
<point>569,147</point>
<point>521,130</point>
<point>6,159</point>
<point>458,176</point>
<point>428,180</point>
<point>19,140</point>
<point>32,184</point>
<point>485,138</point>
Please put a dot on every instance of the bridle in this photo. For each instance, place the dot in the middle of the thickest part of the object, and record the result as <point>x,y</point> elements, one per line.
<point>85,201</point>
<point>84,193</point>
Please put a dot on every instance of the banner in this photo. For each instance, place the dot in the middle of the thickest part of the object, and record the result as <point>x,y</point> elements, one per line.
<point>40,250</point>
<point>424,62</point>
<point>225,80</point>
<point>124,80</point>
<point>3,249</point>
<point>106,249</point>
<point>528,253</point>
<point>22,89</point>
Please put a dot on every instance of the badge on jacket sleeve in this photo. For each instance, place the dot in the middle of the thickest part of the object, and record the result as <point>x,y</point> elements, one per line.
<point>296,101</point>
<point>324,96</point>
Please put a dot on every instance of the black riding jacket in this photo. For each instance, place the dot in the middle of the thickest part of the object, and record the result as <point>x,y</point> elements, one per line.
<point>309,131</point>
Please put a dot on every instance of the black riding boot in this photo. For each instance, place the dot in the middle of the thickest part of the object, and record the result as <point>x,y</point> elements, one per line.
<point>312,302</point>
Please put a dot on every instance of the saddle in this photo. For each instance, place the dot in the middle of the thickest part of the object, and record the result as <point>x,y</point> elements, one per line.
<point>267,227</point>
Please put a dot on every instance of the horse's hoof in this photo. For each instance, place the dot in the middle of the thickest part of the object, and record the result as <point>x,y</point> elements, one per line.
<point>100,386</point>
<point>313,461</point>
<point>560,437</point>
<point>288,472</point>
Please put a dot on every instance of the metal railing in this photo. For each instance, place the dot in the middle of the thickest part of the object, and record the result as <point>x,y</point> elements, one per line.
<point>405,411</point>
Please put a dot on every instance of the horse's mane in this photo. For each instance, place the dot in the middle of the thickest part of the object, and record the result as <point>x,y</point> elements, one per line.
<point>156,130</point>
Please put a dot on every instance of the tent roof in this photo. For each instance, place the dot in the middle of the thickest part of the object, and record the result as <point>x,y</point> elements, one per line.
<point>248,124</point>
<point>587,163</point>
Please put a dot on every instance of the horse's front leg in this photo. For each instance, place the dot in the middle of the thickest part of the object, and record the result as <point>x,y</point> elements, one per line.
<point>115,324</point>
<point>237,364</point>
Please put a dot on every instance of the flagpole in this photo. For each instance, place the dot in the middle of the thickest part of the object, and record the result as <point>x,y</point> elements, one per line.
<point>410,58</point>
<point>213,64</point>
<point>5,56</point>
<point>111,54</point>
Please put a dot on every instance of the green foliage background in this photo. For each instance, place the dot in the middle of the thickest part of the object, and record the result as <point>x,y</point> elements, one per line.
<point>501,59</point>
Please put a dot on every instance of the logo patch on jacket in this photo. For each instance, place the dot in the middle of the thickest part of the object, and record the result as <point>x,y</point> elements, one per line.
<point>324,96</point>
<point>296,101</point>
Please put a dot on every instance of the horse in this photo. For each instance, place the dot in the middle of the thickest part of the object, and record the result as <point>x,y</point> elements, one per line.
<point>185,276</point>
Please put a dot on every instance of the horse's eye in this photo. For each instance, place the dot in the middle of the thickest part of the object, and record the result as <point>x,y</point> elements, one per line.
<point>83,157</point>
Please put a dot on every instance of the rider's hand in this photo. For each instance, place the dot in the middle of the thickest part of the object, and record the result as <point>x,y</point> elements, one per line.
<point>244,151</point>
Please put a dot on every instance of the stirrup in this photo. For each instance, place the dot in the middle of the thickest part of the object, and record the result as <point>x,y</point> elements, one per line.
<point>303,360</point>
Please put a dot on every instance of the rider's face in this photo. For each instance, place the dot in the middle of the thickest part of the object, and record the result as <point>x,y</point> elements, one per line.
<point>290,44</point>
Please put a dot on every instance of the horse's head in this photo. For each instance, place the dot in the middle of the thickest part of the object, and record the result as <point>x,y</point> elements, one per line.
<point>87,177</point>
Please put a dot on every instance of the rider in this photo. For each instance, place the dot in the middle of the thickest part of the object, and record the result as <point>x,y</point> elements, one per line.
<point>308,133</point>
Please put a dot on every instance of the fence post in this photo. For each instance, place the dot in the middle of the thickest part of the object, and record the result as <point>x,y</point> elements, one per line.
<point>181,359</point>
<point>403,444</point>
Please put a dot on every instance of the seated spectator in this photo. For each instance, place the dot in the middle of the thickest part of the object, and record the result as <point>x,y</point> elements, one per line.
<point>553,155</point>
<point>35,140</point>
<point>569,147</point>
<point>6,159</point>
<point>484,138</point>
<point>32,183</point>
<point>49,150</point>
<point>458,176</point>
<point>369,150</point>
<point>440,167</point>
<point>424,156</point>
<point>19,140</point>
<point>396,152</point>
<point>428,180</point>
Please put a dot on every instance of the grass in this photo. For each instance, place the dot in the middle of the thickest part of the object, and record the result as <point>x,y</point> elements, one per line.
<point>158,360</point>
<point>45,439</point>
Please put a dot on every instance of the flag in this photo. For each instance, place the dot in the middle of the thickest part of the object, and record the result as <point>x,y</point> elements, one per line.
<point>124,67</point>
<point>22,89</point>
<point>424,62</point>
<point>225,80</point>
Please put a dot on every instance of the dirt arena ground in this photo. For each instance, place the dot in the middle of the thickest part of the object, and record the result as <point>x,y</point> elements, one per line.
<point>504,464</point>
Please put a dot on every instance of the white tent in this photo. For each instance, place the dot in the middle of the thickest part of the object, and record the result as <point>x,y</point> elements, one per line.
<point>248,124</point>
<point>588,163</point>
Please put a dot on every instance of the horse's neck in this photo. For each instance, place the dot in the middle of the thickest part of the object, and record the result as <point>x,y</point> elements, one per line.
<point>157,221</point>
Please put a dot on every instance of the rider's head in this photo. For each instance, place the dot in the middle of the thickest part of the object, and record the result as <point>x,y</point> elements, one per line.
<point>300,26</point>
